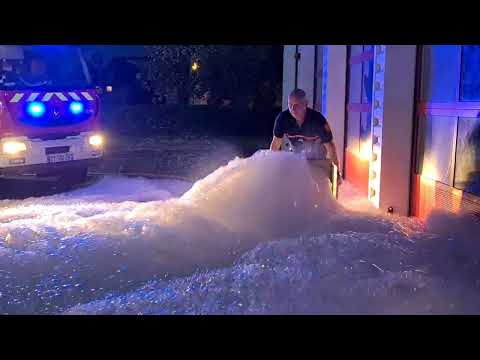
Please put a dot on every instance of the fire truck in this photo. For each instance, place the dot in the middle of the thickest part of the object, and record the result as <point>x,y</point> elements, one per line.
<point>49,113</point>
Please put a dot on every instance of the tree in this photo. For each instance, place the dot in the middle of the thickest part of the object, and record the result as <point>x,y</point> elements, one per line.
<point>170,67</point>
<point>224,70</point>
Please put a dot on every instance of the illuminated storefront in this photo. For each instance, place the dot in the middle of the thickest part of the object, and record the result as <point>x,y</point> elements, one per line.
<point>405,118</point>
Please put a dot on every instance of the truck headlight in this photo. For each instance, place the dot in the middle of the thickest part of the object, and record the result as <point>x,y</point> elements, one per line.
<point>96,140</point>
<point>14,147</point>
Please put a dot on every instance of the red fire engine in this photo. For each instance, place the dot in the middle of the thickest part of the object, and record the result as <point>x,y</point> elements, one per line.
<point>49,113</point>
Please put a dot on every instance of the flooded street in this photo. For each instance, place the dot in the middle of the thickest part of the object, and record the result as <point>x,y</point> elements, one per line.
<point>246,239</point>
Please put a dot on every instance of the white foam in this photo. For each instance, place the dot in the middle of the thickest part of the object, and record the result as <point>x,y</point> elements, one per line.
<point>112,237</point>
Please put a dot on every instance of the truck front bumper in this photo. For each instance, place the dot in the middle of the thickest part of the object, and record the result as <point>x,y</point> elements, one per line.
<point>39,157</point>
<point>47,169</point>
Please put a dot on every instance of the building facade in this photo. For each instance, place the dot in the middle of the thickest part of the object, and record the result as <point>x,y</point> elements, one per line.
<point>405,119</point>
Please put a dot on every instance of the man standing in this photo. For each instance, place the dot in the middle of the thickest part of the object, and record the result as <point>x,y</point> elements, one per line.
<point>306,129</point>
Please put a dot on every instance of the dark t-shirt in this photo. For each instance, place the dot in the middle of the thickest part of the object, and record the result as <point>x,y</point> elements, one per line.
<point>314,127</point>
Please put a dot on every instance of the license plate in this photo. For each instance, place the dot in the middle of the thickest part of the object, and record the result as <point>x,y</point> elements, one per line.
<point>53,158</point>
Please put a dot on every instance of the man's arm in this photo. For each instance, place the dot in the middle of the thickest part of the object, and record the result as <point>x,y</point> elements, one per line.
<point>276,144</point>
<point>278,133</point>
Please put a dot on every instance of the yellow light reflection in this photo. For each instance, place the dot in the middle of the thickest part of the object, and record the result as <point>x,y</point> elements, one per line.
<point>365,150</point>
<point>429,171</point>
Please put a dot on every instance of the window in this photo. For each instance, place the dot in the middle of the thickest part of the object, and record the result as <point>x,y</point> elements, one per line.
<point>367,82</point>
<point>353,133</point>
<point>319,84</point>
<point>449,146</point>
<point>355,84</point>
<point>365,127</point>
<point>470,84</point>
<point>49,66</point>
<point>356,50</point>
<point>467,166</point>
<point>360,89</point>
<point>437,147</point>
<point>441,64</point>
<point>325,80</point>
<point>367,48</point>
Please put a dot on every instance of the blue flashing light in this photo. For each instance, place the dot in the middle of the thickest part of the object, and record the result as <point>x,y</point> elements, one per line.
<point>36,109</point>
<point>76,107</point>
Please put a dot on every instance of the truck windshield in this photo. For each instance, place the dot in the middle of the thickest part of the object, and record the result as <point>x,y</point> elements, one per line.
<point>48,67</point>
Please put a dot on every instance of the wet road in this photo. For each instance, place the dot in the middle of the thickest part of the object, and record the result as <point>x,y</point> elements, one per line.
<point>19,189</point>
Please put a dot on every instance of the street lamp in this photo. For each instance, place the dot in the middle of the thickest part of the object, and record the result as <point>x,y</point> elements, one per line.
<point>195,66</point>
